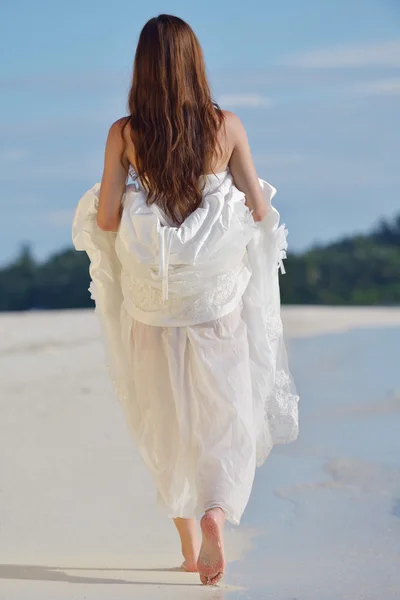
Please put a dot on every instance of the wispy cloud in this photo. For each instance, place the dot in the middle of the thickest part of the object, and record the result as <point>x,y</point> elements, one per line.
<point>60,218</point>
<point>244,101</point>
<point>279,160</point>
<point>384,54</point>
<point>54,218</point>
<point>380,87</point>
<point>66,81</point>
<point>57,171</point>
<point>60,123</point>
<point>13,154</point>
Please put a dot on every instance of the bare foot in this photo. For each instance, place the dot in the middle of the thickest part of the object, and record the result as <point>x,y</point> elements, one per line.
<point>211,563</point>
<point>190,565</point>
<point>190,543</point>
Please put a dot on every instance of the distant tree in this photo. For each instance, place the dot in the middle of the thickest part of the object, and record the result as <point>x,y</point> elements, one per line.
<point>63,281</point>
<point>363,269</point>
<point>17,282</point>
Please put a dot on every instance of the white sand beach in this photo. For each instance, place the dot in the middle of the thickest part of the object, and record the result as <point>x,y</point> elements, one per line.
<point>77,506</point>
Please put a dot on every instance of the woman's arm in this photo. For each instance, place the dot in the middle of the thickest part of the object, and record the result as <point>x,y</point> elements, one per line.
<point>242,168</point>
<point>113,180</point>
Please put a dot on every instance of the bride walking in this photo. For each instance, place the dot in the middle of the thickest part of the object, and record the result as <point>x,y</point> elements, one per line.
<point>184,269</point>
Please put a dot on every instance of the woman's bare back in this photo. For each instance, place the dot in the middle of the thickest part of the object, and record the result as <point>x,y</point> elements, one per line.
<point>235,153</point>
<point>220,159</point>
<point>232,151</point>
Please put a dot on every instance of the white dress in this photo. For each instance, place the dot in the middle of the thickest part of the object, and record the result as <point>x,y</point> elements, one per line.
<point>191,322</point>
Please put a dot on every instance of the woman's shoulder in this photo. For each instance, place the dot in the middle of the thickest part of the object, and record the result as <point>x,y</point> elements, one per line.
<point>120,126</point>
<point>117,133</point>
<point>232,120</point>
<point>233,124</point>
<point>121,130</point>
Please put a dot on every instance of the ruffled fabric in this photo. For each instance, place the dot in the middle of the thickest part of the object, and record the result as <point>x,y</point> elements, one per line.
<point>274,393</point>
<point>166,276</point>
<point>181,276</point>
<point>105,289</point>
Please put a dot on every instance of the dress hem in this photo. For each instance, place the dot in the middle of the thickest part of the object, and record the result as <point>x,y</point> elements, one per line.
<point>197,514</point>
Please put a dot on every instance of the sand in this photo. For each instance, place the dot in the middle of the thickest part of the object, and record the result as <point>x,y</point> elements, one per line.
<point>306,321</point>
<point>76,503</point>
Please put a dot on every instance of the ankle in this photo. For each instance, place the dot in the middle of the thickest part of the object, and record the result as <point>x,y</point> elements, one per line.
<point>215,512</point>
<point>190,547</point>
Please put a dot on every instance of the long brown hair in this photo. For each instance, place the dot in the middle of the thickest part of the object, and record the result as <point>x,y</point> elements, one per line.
<point>174,120</point>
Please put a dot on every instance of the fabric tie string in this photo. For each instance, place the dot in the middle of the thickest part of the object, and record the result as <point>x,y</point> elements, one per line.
<point>165,235</point>
<point>281,244</point>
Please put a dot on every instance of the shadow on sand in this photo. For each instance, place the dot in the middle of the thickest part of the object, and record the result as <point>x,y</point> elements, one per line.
<point>43,573</point>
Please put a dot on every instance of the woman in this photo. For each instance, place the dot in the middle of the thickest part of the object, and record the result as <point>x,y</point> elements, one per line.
<point>184,268</point>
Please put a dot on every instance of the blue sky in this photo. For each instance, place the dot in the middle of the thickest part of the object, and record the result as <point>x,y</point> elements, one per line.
<point>317,85</point>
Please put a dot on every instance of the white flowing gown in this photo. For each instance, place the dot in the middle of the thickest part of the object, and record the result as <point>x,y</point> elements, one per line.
<point>191,323</point>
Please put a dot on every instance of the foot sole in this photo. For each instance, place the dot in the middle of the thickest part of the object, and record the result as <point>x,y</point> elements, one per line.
<point>211,562</point>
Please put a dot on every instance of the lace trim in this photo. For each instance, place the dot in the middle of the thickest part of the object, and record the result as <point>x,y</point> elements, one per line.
<point>149,299</point>
<point>282,408</point>
<point>273,323</point>
<point>281,416</point>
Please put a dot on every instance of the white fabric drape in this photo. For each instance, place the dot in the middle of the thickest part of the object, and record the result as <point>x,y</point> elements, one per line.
<point>191,322</point>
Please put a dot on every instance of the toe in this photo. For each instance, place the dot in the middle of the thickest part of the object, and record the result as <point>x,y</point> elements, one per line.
<point>214,580</point>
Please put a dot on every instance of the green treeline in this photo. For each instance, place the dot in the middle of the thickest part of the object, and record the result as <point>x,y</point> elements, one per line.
<point>357,270</point>
<point>61,282</point>
<point>362,269</point>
